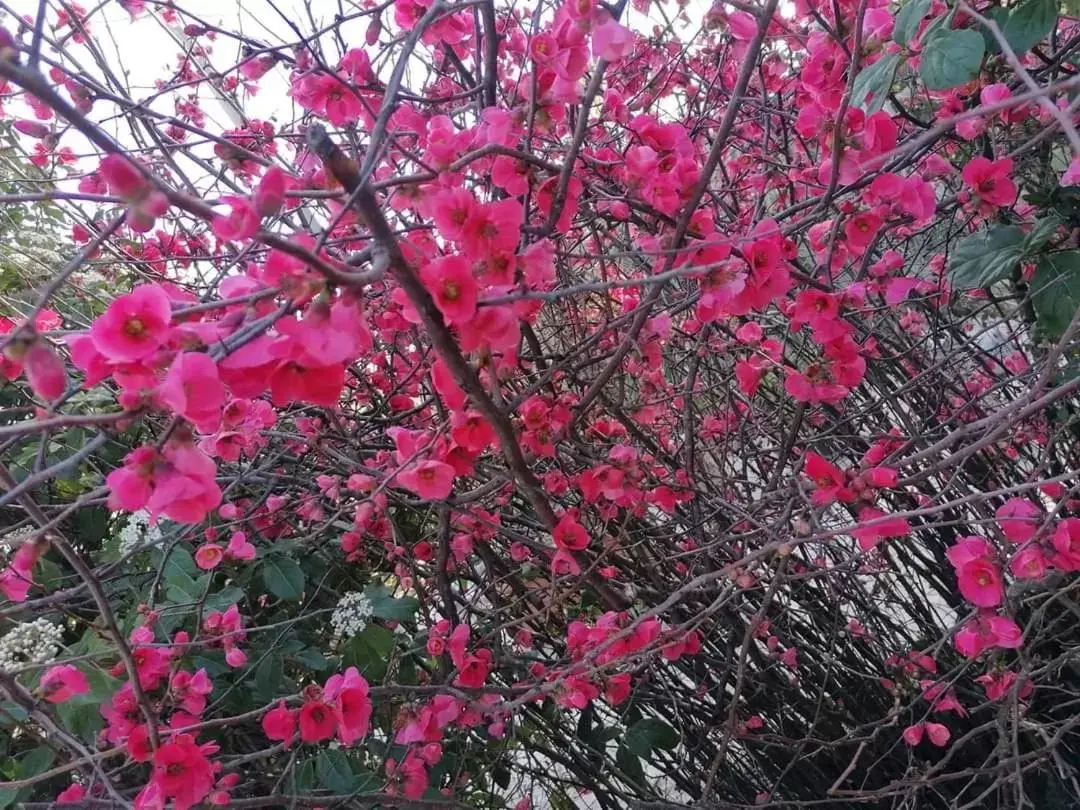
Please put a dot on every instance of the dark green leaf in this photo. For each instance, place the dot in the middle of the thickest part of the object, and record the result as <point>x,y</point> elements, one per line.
<point>37,761</point>
<point>1055,291</point>
<point>224,599</point>
<point>986,257</point>
<point>385,606</point>
<point>312,659</point>
<point>369,652</point>
<point>333,771</point>
<point>283,577</point>
<point>908,19</point>
<point>500,775</point>
<point>305,775</point>
<point>1029,23</point>
<point>1040,234</point>
<point>951,58</point>
<point>268,678</point>
<point>630,764</point>
<point>649,733</point>
<point>873,83</point>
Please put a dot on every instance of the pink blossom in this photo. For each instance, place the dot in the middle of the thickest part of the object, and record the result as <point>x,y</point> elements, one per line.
<point>430,480</point>
<point>611,41</point>
<point>280,724</point>
<point>1019,519</point>
<point>450,282</point>
<point>209,556</point>
<point>980,583</point>
<point>991,180</point>
<point>134,326</point>
<point>239,548</point>
<point>62,683</point>
<point>192,389</point>
<point>241,223</point>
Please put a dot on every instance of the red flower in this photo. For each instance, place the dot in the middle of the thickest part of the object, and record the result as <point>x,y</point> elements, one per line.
<point>317,721</point>
<point>991,180</point>
<point>182,771</point>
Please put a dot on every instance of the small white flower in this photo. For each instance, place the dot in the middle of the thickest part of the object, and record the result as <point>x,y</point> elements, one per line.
<point>350,617</point>
<point>138,532</point>
<point>36,642</point>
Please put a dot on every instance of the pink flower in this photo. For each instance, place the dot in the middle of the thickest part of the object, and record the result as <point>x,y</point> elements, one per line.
<point>968,549</point>
<point>937,734</point>
<point>239,548</point>
<point>241,223</point>
<point>1071,176</point>
<point>1019,519</point>
<point>182,770</point>
<point>318,721</point>
<point>430,480</point>
<point>991,180</point>
<point>192,389</point>
<point>348,694</point>
<point>492,229</point>
<point>134,326</point>
<point>270,193</point>
<point>980,583</point>
<point>1028,563</point>
<point>72,794</point>
<point>63,682</point>
<point>145,203</point>
<point>1066,543</point>
<point>881,526</point>
<point>450,282</point>
<point>44,370</point>
<point>209,556</point>
<point>570,535</point>
<point>280,724</point>
<point>611,41</point>
<point>829,481</point>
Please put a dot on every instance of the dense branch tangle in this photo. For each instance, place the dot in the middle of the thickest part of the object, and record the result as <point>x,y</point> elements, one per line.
<point>624,418</point>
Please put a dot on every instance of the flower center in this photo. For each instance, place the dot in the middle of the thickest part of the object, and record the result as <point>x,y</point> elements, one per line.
<point>134,327</point>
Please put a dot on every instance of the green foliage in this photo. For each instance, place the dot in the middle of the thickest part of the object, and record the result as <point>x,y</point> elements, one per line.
<point>951,57</point>
<point>283,577</point>
<point>908,20</point>
<point>385,606</point>
<point>1055,291</point>
<point>1025,25</point>
<point>873,83</point>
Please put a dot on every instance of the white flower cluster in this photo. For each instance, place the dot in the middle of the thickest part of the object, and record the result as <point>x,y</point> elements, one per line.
<point>137,532</point>
<point>12,540</point>
<point>351,615</point>
<point>36,642</point>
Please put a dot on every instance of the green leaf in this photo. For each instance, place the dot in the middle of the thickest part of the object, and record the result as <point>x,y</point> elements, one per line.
<point>312,659</point>
<point>369,652</point>
<point>951,58</point>
<point>385,606</point>
<point>629,762</point>
<point>649,733</point>
<point>1029,23</point>
<point>305,775</point>
<point>908,19</point>
<point>872,84</point>
<point>224,599</point>
<point>37,761</point>
<point>986,257</point>
<point>1055,291</point>
<point>268,678</point>
<point>1040,234</point>
<point>283,577</point>
<point>333,770</point>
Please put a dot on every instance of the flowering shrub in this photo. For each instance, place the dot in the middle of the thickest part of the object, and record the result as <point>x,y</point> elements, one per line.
<point>484,404</point>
